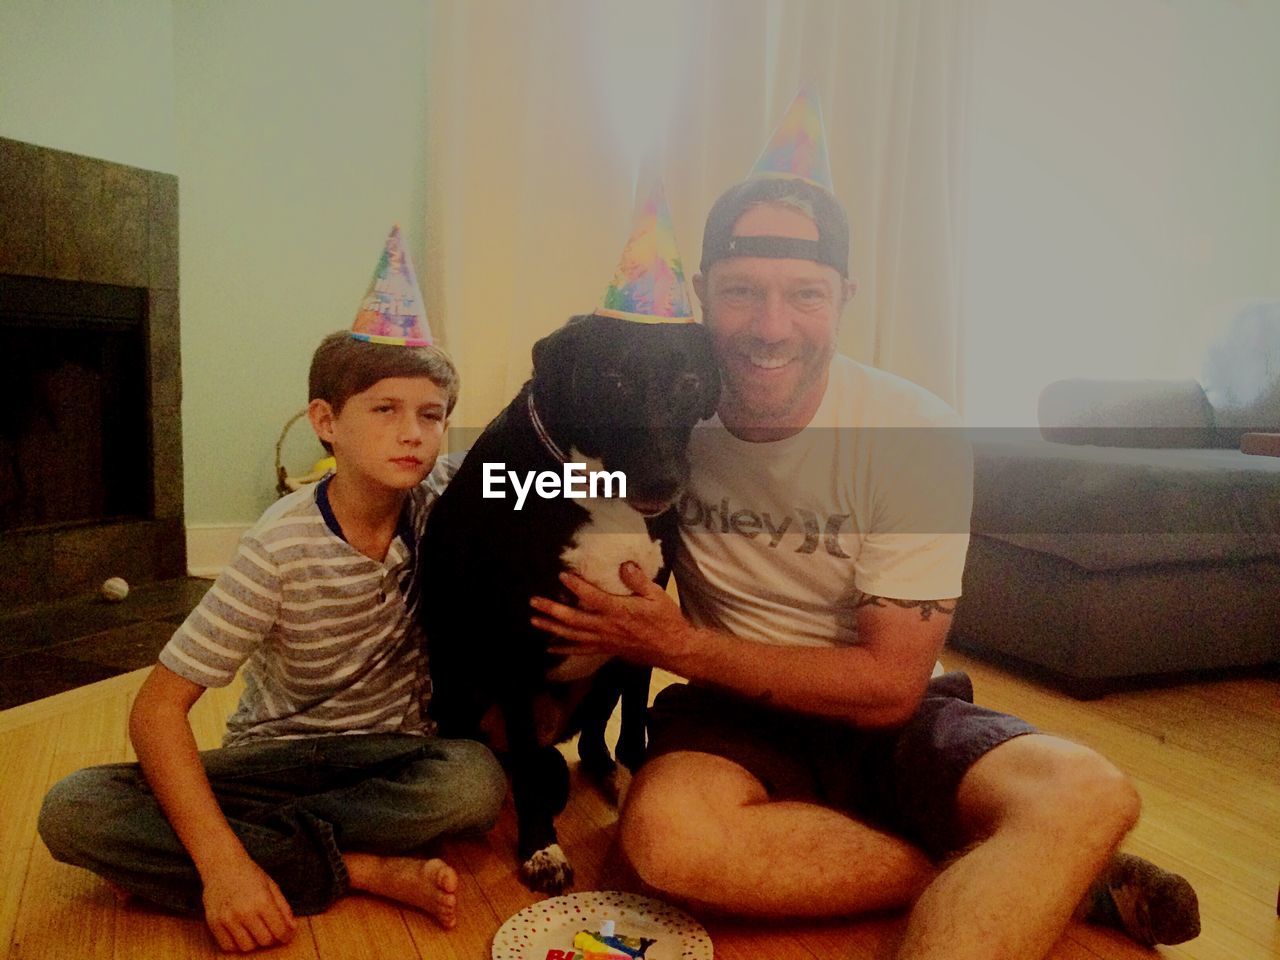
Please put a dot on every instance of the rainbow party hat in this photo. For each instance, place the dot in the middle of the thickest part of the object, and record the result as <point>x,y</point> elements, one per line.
<point>649,286</point>
<point>798,148</point>
<point>392,310</point>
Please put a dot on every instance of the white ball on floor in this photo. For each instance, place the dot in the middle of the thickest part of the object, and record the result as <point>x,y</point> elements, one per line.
<point>115,589</point>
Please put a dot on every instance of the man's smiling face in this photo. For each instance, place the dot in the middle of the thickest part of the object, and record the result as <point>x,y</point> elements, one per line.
<point>773,323</point>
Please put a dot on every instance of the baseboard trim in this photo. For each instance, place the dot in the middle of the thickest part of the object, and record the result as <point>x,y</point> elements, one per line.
<point>210,546</point>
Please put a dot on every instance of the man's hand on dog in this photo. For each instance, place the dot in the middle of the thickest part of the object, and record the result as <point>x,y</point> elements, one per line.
<point>646,627</point>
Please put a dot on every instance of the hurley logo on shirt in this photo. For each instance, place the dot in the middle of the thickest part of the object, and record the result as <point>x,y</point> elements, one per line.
<point>720,518</point>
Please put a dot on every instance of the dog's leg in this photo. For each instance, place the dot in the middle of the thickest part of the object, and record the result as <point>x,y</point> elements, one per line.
<point>635,716</point>
<point>540,789</point>
<point>593,716</point>
<point>615,680</point>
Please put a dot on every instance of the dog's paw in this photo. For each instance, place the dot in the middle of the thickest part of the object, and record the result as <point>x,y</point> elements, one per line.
<point>548,870</point>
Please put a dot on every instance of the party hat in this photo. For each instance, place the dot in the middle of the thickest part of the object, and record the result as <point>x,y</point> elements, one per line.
<point>649,285</point>
<point>798,147</point>
<point>392,310</point>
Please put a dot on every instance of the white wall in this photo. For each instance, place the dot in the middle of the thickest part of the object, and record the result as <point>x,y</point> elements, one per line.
<point>301,138</point>
<point>90,78</point>
<point>297,131</point>
<point>1124,181</point>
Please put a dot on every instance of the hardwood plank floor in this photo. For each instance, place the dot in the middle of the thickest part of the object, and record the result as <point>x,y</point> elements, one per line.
<point>1206,758</point>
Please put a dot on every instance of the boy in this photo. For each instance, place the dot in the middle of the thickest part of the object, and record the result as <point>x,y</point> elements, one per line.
<point>328,774</point>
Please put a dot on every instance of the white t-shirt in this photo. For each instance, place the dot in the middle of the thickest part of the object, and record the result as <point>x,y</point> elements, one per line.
<point>874,496</point>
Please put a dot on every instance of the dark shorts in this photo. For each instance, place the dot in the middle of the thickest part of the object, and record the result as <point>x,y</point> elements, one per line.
<point>902,780</point>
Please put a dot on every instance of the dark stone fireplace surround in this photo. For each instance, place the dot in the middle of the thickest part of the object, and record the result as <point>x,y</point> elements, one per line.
<point>69,217</point>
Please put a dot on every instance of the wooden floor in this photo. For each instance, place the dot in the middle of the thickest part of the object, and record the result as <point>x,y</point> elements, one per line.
<point>1206,758</point>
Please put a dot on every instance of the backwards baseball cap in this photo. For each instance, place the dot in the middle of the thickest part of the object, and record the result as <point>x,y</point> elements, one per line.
<point>794,170</point>
<point>831,247</point>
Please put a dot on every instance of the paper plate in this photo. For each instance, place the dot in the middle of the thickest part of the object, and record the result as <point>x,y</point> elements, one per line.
<point>550,925</point>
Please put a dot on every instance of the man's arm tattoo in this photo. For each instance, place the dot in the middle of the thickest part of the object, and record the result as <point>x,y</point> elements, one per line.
<point>927,607</point>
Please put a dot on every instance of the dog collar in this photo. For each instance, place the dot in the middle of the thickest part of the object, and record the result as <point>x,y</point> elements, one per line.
<point>540,429</point>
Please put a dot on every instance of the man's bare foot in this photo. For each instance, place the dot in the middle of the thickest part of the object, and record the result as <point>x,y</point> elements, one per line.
<point>429,885</point>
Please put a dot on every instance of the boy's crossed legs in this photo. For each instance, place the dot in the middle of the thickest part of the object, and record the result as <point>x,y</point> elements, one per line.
<point>319,815</point>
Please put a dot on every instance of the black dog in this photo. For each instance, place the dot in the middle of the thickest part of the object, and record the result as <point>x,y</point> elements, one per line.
<point>614,394</point>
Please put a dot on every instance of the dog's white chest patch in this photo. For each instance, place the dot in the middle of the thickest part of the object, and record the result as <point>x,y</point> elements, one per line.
<point>613,535</point>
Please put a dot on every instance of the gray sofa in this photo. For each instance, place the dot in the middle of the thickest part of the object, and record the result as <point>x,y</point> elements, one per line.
<point>1130,538</point>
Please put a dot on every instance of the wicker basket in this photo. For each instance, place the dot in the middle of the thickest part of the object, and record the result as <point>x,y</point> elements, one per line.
<point>285,482</point>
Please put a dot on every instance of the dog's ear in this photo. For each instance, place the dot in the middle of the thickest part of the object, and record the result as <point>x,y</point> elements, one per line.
<point>556,353</point>
<point>553,355</point>
<point>555,362</point>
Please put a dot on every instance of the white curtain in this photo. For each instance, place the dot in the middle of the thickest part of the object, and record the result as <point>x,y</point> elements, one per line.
<point>544,114</point>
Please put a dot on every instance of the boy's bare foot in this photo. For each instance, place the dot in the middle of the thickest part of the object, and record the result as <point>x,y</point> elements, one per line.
<point>429,885</point>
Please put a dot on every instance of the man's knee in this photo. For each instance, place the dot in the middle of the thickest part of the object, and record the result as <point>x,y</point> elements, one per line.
<point>1057,784</point>
<point>649,832</point>
<point>1086,788</point>
<point>1101,791</point>
<point>674,824</point>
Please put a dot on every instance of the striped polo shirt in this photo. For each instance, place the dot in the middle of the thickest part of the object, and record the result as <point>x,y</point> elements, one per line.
<point>329,637</point>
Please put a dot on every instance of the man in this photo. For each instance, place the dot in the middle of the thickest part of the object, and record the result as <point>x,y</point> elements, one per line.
<point>813,767</point>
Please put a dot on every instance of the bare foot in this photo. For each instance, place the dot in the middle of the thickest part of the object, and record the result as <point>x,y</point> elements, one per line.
<point>429,885</point>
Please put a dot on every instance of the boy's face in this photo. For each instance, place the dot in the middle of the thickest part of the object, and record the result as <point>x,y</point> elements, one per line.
<point>388,435</point>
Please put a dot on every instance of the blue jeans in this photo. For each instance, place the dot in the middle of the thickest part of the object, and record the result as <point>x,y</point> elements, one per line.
<point>294,804</point>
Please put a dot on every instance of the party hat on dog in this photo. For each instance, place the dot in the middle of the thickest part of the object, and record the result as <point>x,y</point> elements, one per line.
<point>392,310</point>
<point>798,148</point>
<point>649,285</point>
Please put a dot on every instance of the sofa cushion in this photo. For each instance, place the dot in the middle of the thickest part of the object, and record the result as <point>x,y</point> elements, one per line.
<point>1110,508</point>
<point>1126,413</point>
<point>1241,374</point>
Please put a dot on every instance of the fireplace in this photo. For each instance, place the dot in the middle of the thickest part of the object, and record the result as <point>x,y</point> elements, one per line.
<point>73,440</point>
<point>91,436</point>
